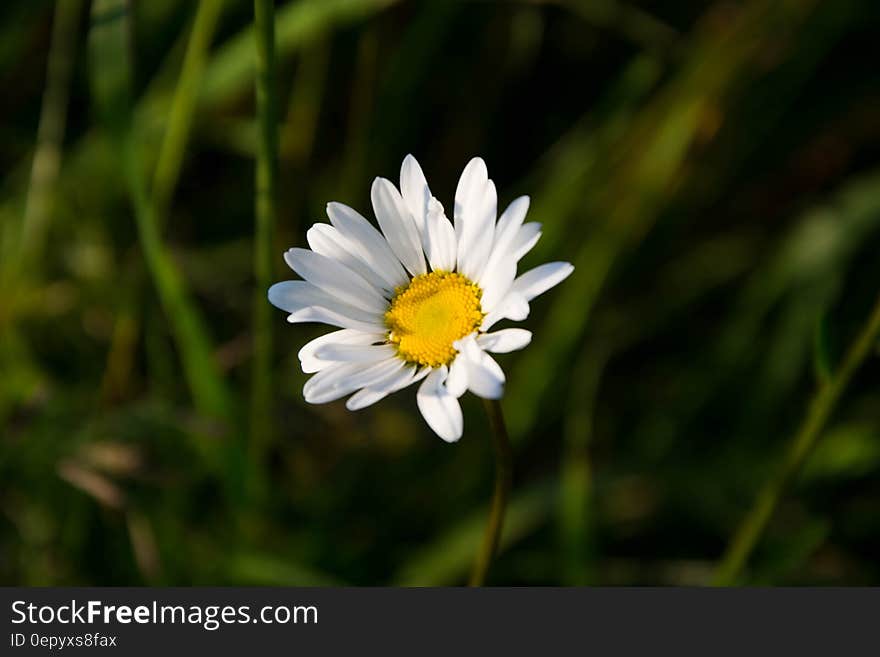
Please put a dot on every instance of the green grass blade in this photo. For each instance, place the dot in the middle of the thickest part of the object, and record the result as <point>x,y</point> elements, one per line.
<point>265,206</point>
<point>110,66</point>
<point>447,559</point>
<point>50,133</point>
<point>646,163</point>
<point>183,105</point>
<point>258,569</point>
<point>234,65</point>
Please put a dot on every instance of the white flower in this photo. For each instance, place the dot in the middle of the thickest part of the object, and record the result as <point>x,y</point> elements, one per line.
<point>415,302</point>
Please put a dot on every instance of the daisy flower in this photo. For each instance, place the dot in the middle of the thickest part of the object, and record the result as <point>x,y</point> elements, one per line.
<point>417,301</point>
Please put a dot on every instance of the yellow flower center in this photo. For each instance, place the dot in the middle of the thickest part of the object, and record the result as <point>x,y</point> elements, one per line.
<point>431,313</point>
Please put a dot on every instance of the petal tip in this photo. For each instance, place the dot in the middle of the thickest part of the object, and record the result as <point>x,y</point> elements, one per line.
<point>272,294</point>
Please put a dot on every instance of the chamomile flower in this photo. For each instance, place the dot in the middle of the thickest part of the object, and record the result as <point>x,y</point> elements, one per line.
<point>416,302</point>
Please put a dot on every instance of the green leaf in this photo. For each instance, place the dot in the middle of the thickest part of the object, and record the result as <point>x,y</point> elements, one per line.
<point>849,451</point>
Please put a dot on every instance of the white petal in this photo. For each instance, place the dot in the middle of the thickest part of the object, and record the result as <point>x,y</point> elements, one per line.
<point>335,279</point>
<point>398,225</point>
<point>475,215</point>
<point>377,391</point>
<point>504,341</point>
<point>392,376</point>
<point>310,363</point>
<point>513,306</point>
<point>508,228</point>
<point>497,281</point>
<point>526,238</point>
<point>374,373</point>
<point>540,279</point>
<point>440,409</point>
<point>469,192</point>
<point>354,353</point>
<point>415,192</point>
<point>340,380</point>
<point>368,243</point>
<point>321,315</point>
<point>301,298</point>
<point>440,244</point>
<point>320,387</point>
<point>485,376</point>
<point>328,241</point>
<point>456,382</point>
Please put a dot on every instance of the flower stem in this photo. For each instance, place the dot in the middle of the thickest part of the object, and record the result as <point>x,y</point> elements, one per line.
<point>802,443</point>
<point>503,476</point>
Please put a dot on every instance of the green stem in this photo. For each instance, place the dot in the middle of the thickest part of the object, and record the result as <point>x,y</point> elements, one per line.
<point>802,443</point>
<point>503,476</point>
<point>266,210</point>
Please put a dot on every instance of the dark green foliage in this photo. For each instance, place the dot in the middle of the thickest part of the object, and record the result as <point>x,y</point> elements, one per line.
<point>711,168</point>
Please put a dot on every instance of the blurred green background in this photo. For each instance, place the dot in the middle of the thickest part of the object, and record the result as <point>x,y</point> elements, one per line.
<point>711,168</point>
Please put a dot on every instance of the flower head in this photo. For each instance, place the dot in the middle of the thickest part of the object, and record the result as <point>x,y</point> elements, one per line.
<point>415,302</point>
